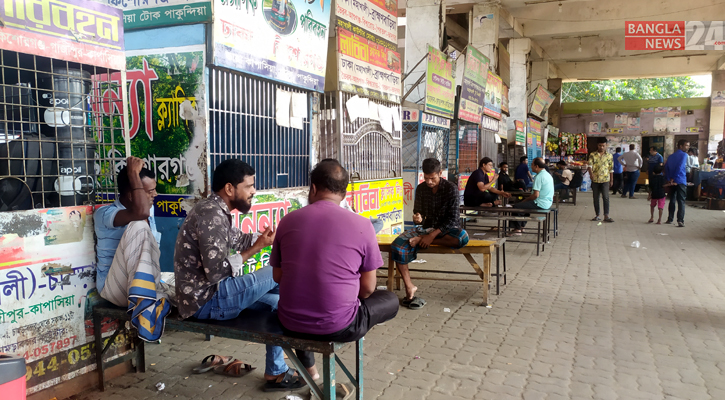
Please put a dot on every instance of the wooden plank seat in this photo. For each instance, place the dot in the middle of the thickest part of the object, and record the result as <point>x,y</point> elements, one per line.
<point>474,246</point>
<point>250,326</point>
<point>552,215</point>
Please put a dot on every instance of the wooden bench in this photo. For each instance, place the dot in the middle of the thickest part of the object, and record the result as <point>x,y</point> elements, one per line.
<point>484,247</point>
<point>250,326</point>
<point>552,215</point>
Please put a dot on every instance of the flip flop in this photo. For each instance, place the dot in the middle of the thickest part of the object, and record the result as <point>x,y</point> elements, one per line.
<point>596,218</point>
<point>235,369</point>
<point>608,220</point>
<point>416,303</point>
<point>210,362</point>
<point>285,383</point>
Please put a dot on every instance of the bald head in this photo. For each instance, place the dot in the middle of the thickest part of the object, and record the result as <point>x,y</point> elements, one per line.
<point>328,181</point>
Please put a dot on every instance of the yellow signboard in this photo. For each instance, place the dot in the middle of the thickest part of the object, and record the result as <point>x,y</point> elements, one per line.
<point>382,199</point>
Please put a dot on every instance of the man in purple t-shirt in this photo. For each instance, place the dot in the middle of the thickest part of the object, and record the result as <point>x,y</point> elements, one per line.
<point>326,275</point>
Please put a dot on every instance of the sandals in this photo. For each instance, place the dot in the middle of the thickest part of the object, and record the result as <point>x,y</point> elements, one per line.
<point>608,220</point>
<point>212,361</point>
<point>284,383</point>
<point>416,303</point>
<point>235,369</point>
<point>596,218</point>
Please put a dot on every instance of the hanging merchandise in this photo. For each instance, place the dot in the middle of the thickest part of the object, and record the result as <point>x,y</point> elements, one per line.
<point>574,143</point>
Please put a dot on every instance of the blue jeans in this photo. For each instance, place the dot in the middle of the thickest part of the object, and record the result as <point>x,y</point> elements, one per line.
<point>256,291</point>
<point>631,183</point>
<point>529,205</point>
<point>560,186</point>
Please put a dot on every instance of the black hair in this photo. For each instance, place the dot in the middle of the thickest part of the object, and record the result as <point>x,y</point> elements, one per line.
<point>693,150</point>
<point>431,166</point>
<point>330,175</point>
<point>502,164</point>
<point>602,140</point>
<point>232,171</point>
<point>632,146</point>
<point>539,162</point>
<point>561,163</point>
<point>682,142</point>
<point>522,159</point>
<point>653,148</point>
<point>124,184</point>
<point>618,149</point>
<point>484,161</point>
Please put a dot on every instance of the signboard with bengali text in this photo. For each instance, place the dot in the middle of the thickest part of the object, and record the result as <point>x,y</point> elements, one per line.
<point>71,30</point>
<point>440,88</point>
<point>473,89</point>
<point>378,17</point>
<point>494,87</point>
<point>167,15</point>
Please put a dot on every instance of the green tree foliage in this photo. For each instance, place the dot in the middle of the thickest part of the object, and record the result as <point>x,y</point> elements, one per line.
<point>631,89</point>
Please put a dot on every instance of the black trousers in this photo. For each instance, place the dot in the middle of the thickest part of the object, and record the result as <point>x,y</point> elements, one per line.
<point>617,182</point>
<point>381,306</point>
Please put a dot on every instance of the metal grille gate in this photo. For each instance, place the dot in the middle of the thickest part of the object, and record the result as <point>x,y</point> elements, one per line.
<point>362,146</point>
<point>242,125</point>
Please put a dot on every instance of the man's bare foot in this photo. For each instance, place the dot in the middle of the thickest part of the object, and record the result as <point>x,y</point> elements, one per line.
<point>651,220</point>
<point>659,222</point>
<point>313,373</point>
<point>414,241</point>
<point>410,292</point>
<point>497,202</point>
<point>486,204</point>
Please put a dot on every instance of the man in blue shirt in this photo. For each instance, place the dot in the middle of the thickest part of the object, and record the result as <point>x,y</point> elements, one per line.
<point>654,159</point>
<point>676,176</point>
<point>617,175</point>
<point>136,192</point>
<point>542,196</point>
<point>522,172</point>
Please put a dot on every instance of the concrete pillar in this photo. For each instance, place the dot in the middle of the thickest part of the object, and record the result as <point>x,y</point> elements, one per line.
<point>717,114</point>
<point>519,50</point>
<point>484,35</point>
<point>554,86</point>
<point>423,27</point>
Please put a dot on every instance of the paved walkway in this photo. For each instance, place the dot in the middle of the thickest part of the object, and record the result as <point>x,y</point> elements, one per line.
<point>591,318</point>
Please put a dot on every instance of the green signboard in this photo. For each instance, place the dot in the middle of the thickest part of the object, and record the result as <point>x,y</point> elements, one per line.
<point>177,14</point>
<point>440,87</point>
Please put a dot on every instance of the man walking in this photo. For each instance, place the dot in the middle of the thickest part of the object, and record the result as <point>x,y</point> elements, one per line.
<point>601,167</point>
<point>676,176</point>
<point>632,163</point>
<point>617,181</point>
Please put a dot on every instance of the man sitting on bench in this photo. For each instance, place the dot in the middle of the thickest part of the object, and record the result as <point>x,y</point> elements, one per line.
<point>542,196</point>
<point>481,187</point>
<point>208,261</point>
<point>327,279</point>
<point>436,214</point>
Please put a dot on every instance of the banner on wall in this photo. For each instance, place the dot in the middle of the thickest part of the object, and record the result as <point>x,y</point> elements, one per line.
<point>366,68</point>
<point>473,89</point>
<point>167,125</point>
<point>633,123</point>
<point>492,105</point>
<point>375,20</point>
<point>541,101</point>
<point>673,121</point>
<point>718,98</point>
<point>382,199</point>
<point>42,29</point>
<point>520,133</point>
<point>440,87</point>
<point>595,127</point>
<point>620,120</point>
<point>282,40</point>
<point>171,12</point>
<point>48,277</point>
<point>505,99</point>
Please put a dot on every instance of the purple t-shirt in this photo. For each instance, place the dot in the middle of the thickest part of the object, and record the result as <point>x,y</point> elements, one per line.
<point>322,249</point>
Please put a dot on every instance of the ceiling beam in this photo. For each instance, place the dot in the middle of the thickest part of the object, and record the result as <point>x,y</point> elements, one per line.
<point>720,63</point>
<point>455,30</point>
<point>509,27</point>
<point>637,68</point>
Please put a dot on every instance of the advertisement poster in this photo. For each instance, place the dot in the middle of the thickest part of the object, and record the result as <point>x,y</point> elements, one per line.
<point>598,112</point>
<point>492,105</point>
<point>167,124</point>
<point>382,199</point>
<point>170,12</point>
<point>282,40</point>
<point>633,123</point>
<point>649,110</point>
<point>620,120</point>
<point>673,121</point>
<point>520,133</point>
<point>473,89</point>
<point>440,87</point>
<point>505,99</point>
<point>366,68</point>
<point>533,133</point>
<point>660,123</point>
<point>595,127</point>
<point>48,276</point>
<point>718,98</point>
<point>376,20</point>
<point>541,101</point>
<point>41,28</point>
<point>462,182</point>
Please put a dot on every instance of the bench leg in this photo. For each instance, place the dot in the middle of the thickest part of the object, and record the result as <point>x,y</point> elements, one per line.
<point>99,351</point>
<point>498,271</point>
<point>208,337</point>
<point>391,271</point>
<point>302,371</point>
<point>328,373</point>
<point>503,249</point>
<point>359,369</point>
<point>538,237</point>
<point>140,355</point>
<point>486,276</point>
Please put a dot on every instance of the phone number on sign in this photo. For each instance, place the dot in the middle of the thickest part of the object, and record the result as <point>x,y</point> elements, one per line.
<point>68,361</point>
<point>50,347</point>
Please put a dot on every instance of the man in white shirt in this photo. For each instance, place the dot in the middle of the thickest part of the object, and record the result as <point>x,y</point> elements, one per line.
<point>632,163</point>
